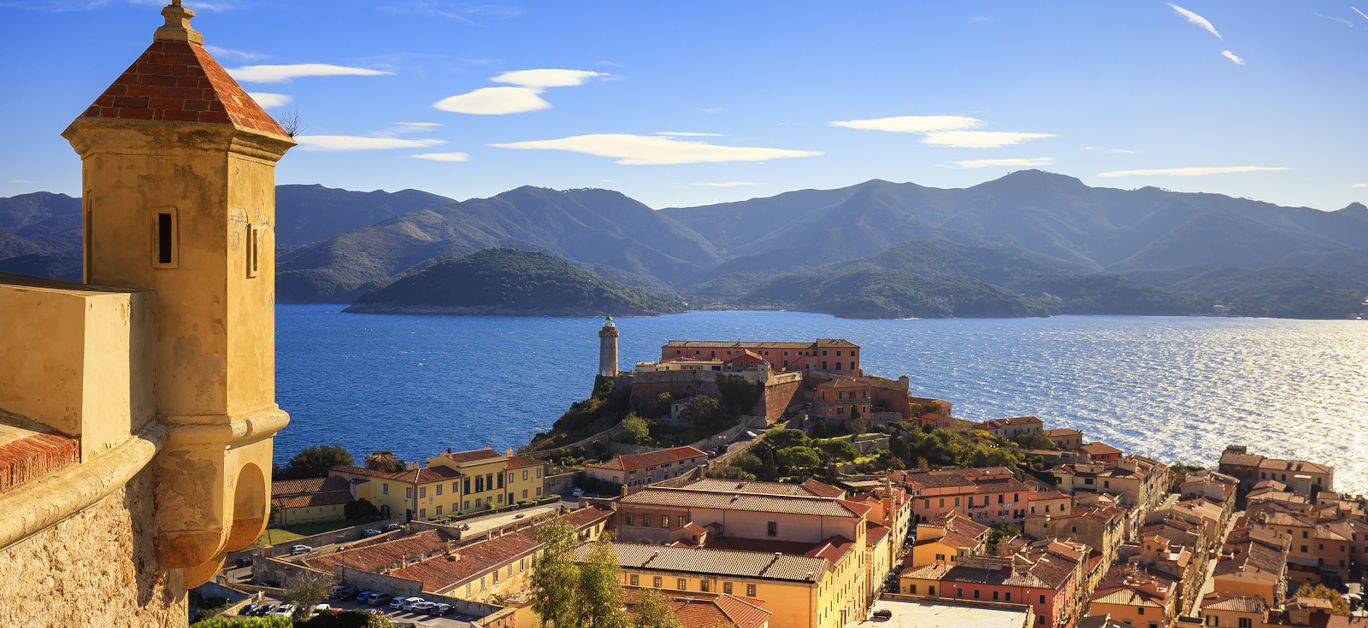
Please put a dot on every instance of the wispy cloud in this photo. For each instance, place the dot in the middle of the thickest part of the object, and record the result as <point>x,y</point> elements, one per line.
<point>688,134</point>
<point>287,73</point>
<point>1198,20</point>
<point>27,181</point>
<point>1357,185</point>
<point>494,101</point>
<point>1232,56</point>
<point>1123,151</point>
<point>546,77</point>
<point>1011,163</point>
<point>418,126</point>
<point>465,12</point>
<point>359,142</point>
<point>220,53</point>
<point>1188,172</point>
<point>269,100</point>
<point>443,156</point>
<point>64,6</point>
<point>980,139</point>
<point>1335,19</point>
<point>911,124</point>
<point>1361,13</point>
<point>713,109</point>
<point>655,150</point>
<point>726,184</point>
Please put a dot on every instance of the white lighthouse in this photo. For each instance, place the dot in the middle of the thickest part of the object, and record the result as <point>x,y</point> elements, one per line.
<point>608,349</point>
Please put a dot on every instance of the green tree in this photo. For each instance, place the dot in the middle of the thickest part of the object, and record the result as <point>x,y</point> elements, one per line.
<point>244,622</point>
<point>838,450</point>
<point>601,601</point>
<point>783,439</point>
<point>898,448</point>
<point>554,581</point>
<point>729,472</point>
<point>384,460</point>
<point>747,461</point>
<point>653,611</point>
<point>1337,603</point>
<point>798,457</point>
<point>360,509</point>
<point>663,402</point>
<point>307,594</point>
<point>704,412</point>
<point>314,462</point>
<point>635,429</point>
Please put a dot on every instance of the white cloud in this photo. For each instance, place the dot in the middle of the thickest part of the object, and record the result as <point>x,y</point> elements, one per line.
<point>268,100</point>
<point>27,181</point>
<point>286,73</point>
<point>1189,172</point>
<point>1232,56</point>
<point>1357,185</point>
<point>355,142</point>
<point>220,53</point>
<point>546,77</point>
<point>655,150</point>
<point>713,109</point>
<point>688,134</point>
<point>443,156</point>
<point>1123,151</point>
<point>1361,13</point>
<point>911,124</point>
<point>1195,19</point>
<point>980,139</point>
<point>495,101</point>
<point>726,184</point>
<point>418,125</point>
<point>988,163</point>
<point>1335,19</point>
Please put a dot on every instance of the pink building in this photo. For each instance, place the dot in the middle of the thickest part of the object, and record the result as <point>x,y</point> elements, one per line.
<point>832,355</point>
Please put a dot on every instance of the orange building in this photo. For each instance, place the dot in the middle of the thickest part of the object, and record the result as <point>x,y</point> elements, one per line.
<point>825,354</point>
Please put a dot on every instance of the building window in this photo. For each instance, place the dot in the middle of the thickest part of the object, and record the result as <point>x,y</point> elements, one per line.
<point>510,477</point>
<point>727,588</point>
<point>656,582</point>
<point>384,488</point>
<point>633,580</point>
<point>645,521</point>
<point>467,485</point>
<point>750,590</point>
<point>681,584</point>
<point>496,576</point>
<point>500,498</point>
<point>539,472</point>
<point>681,521</point>
<point>912,588</point>
<point>703,586</point>
<point>479,484</point>
<point>422,491</point>
<point>524,475</point>
<point>629,518</point>
<point>524,494</point>
<point>1042,599</point>
<point>995,596</point>
<point>664,521</point>
<point>439,510</point>
<point>408,491</point>
<point>772,528</point>
<point>467,504</point>
<point>957,502</point>
<point>422,513</point>
<point>976,594</point>
<point>538,491</point>
<point>1009,596</point>
<point>165,232</point>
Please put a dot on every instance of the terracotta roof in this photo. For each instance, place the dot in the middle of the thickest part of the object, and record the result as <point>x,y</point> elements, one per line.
<point>631,462</point>
<point>1015,420</point>
<point>30,455</point>
<point>328,498</point>
<point>307,485</point>
<point>467,561</point>
<point>705,610</point>
<point>810,488</point>
<point>1060,432</point>
<point>1098,448</point>
<point>1226,602</point>
<point>822,489</point>
<point>517,462</point>
<point>377,557</point>
<point>874,533</point>
<point>178,81</point>
<point>420,475</point>
<point>720,562</point>
<point>738,344</point>
<point>487,453</point>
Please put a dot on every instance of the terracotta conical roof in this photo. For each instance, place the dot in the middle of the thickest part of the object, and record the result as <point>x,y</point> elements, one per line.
<point>176,80</point>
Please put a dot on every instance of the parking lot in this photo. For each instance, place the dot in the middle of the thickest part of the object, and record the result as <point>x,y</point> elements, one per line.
<point>453,620</point>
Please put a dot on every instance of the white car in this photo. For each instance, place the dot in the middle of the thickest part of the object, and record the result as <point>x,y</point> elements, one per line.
<point>397,602</point>
<point>285,610</point>
<point>409,603</point>
<point>423,607</point>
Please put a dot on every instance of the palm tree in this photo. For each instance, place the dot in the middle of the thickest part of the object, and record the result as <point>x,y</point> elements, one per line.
<point>384,461</point>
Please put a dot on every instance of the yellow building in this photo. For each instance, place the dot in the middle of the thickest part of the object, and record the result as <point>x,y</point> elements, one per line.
<point>153,384</point>
<point>309,500</point>
<point>948,539</point>
<point>452,483</point>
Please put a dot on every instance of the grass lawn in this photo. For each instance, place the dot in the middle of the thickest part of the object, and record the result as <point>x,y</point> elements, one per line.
<point>276,536</point>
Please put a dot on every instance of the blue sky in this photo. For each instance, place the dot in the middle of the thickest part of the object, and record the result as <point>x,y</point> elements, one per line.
<point>697,102</point>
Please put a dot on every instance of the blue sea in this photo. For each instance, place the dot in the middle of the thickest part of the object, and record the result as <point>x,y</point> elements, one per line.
<point>1173,388</point>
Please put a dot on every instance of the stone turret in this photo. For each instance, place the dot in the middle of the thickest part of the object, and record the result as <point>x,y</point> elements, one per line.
<point>608,355</point>
<point>178,186</point>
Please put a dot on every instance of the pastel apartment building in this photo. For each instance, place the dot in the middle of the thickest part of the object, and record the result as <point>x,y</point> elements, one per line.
<point>988,495</point>
<point>310,500</point>
<point>947,539</point>
<point>1012,427</point>
<point>831,355</point>
<point>1138,481</point>
<point>633,471</point>
<point>1049,583</point>
<point>450,483</point>
<point>1301,477</point>
<point>758,526</point>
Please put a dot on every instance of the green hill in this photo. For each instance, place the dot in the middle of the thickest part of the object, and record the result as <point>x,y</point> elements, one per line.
<point>510,282</point>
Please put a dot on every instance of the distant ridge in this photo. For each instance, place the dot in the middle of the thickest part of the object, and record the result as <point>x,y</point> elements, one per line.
<point>1044,237</point>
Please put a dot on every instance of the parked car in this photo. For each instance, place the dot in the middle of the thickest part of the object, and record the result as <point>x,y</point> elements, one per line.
<point>380,598</point>
<point>266,609</point>
<point>439,609</point>
<point>392,527</point>
<point>397,603</point>
<point>424,607</point>
<point>284,610</point>
<point>712,453</point>
<point>520,515</point>
<point>322,607</point>
<point>248,610</point>
<point>883,613</point>
<point>363,597</point>
<point>300,549</point>
<point>369,532</point>
<point>577,492</point>
<point>407,604</point>
<point>243,561</point>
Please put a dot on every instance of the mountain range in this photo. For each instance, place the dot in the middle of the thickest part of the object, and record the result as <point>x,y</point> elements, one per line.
<point>1030,242</point>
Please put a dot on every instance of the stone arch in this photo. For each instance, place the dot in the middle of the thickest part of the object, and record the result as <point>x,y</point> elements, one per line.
<point>250,507</point>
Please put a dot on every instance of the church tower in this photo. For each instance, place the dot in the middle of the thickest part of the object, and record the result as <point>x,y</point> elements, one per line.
<point>608,363</point>
<point>178,178</point>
